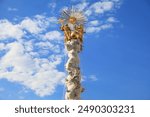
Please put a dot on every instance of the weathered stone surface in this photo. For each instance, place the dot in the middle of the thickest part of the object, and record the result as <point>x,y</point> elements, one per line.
<point>73,80</point>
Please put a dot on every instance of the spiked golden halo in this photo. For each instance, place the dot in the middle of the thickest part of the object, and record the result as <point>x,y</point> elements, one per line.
<point>72,16</point>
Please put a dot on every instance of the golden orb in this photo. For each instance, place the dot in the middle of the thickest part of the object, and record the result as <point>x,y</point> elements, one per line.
<point>72,20</point>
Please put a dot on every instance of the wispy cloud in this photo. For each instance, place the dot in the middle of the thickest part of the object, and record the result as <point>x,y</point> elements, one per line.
<point>81,6</point>
<point>94,23</point>
<point>103,9</point>
<point>53,35</point>
<point>93,78</point>
<point>111,20</point>
<point>34,55</point>
<point>12,9</point>
<point>52,5</point>
<point>98,9</point>
<point>95,29</point>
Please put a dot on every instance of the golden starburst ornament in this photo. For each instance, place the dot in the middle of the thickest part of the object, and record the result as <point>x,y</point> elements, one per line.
<point>72,16</point>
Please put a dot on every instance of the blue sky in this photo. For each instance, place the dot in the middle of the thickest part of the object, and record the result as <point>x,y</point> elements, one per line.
<point>115,61</point>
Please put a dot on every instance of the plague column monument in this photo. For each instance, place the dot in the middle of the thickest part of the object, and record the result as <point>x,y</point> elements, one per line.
<point>72,24</point>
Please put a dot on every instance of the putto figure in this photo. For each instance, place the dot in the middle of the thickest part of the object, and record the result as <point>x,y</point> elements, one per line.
<point>72,24</point>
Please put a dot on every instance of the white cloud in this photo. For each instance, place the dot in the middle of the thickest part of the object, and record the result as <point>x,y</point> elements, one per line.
<point>48,46</point>
<point>98,10</point>
<point>100,7</point>
<point>53,19</point>
<point>9,30</point>
<point>94,23</point>
<point>39,74</point>
<point>34,25</point>
<point>90,77</point>
<point>2,46</point>
<point>31,60</point>
<point>82,6</point>
<point>88,12</point>
<point>16,58</point>
<point>12,9</point>
<point>53,35</point>
<point>52,5</point>
<point>98,28</point>
<point>93,78</point>
<point>111,20</point>
<point>30,26</point>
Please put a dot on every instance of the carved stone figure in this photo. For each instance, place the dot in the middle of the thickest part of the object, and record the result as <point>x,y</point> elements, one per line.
<point>72,25</point>
<point>67,32</point>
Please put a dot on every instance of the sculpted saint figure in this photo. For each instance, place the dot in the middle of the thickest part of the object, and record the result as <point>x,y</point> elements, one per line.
<point>67,32</point>
<point>71,30</point>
